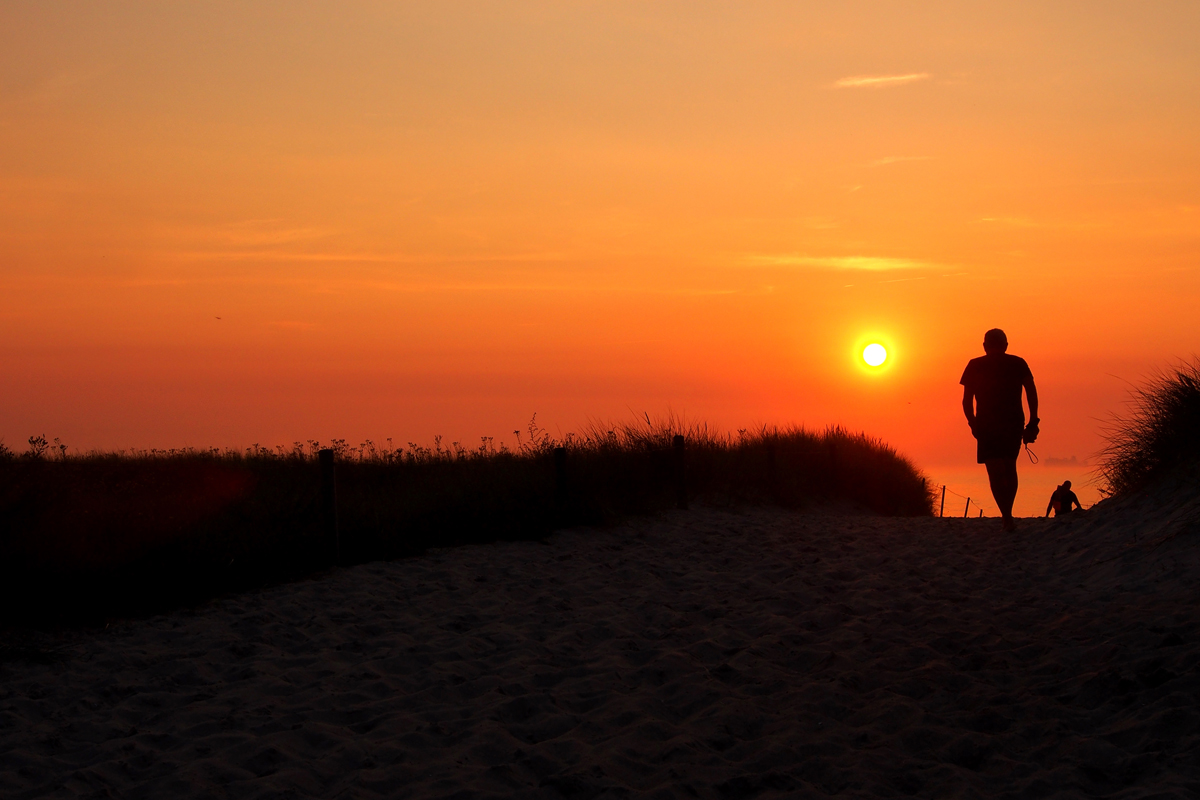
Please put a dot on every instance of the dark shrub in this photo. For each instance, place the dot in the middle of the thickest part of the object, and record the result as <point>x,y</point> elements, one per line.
<point>1160,433</point>
<point>83,537</point>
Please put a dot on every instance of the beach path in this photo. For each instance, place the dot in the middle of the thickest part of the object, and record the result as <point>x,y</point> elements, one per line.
<point>710,653</point>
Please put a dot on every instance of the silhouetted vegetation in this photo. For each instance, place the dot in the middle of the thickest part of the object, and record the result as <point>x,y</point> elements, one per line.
<point>110,534</point>
<point>1159,435</point>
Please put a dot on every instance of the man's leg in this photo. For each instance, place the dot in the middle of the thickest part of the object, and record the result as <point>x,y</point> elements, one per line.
<point>1002,475</point>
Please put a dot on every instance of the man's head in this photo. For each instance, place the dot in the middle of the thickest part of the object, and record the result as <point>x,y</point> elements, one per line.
<point>994,341</point>
<point>1066,484</point>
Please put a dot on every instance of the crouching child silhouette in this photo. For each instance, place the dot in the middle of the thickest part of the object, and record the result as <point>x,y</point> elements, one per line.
<point>1063,501</point>
<point>992,387</point>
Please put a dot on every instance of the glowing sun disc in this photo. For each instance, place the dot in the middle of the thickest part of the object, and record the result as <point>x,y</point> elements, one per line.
<point>874,354</point>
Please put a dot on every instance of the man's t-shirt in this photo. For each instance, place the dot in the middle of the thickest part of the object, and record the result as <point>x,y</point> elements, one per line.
<point>996,381</point>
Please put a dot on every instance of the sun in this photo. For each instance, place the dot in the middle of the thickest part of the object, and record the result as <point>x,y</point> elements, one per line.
<point>874,354</point>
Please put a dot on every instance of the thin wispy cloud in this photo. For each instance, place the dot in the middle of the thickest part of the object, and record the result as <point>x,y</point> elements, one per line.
<point>1026,222</point>
<point>863,263</point>
<point>54,89</point>
<point>819,223</point>
<point>1020,222</point>
<point>267,255</point>
<point>879,81</point>
<point>881,162</point>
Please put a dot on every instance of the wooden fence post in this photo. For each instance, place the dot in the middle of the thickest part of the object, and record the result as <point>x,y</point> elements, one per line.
<point>773,470</point>
<point>942,510</point>
<point>329,515</point>
<point>677,446</point>
<point>560,482</point>
<point>967,510</point>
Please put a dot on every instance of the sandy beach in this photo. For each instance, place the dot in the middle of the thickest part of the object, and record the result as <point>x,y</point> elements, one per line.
<point>712,654</point>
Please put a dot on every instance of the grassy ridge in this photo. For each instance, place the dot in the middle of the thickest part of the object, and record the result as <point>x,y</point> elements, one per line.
<point>84,537</point>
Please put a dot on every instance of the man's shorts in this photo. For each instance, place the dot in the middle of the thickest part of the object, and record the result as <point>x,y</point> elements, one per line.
<point>993,443</point>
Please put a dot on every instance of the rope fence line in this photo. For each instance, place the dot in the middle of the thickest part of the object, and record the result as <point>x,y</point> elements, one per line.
<point>966,507</point>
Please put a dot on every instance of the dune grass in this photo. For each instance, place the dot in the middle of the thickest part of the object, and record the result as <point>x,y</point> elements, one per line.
<point>1159,435</point>
<point>111,534</point>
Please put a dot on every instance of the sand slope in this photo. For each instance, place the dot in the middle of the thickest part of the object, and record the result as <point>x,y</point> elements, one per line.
<point>701,654</point>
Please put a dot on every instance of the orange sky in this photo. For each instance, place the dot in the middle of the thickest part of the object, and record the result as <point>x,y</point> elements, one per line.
<point>422,218</point>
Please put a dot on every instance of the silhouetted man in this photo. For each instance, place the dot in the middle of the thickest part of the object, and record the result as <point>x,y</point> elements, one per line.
<point>992,402</point>
<point>1063,501</point>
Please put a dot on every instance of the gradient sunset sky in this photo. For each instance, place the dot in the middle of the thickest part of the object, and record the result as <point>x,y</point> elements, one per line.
<point>226,223</point>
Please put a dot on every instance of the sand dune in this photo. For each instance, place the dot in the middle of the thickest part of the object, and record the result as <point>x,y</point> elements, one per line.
<point>700,654</point>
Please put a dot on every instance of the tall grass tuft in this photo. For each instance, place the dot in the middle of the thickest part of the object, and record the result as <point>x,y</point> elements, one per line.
<point>1159,435</point>
<point>108,534</point>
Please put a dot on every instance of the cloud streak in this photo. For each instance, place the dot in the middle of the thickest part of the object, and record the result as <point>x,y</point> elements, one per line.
<point>861,263</point>
<point>879,81</point>
<point>273,255</point>
<point>881,162</point>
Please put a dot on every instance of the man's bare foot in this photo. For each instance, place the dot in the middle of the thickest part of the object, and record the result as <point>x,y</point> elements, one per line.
<point>1009,524</point>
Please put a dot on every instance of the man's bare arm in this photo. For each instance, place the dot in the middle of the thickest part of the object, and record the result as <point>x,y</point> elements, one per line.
<point>969,405</point>
<point>1031,396</point>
